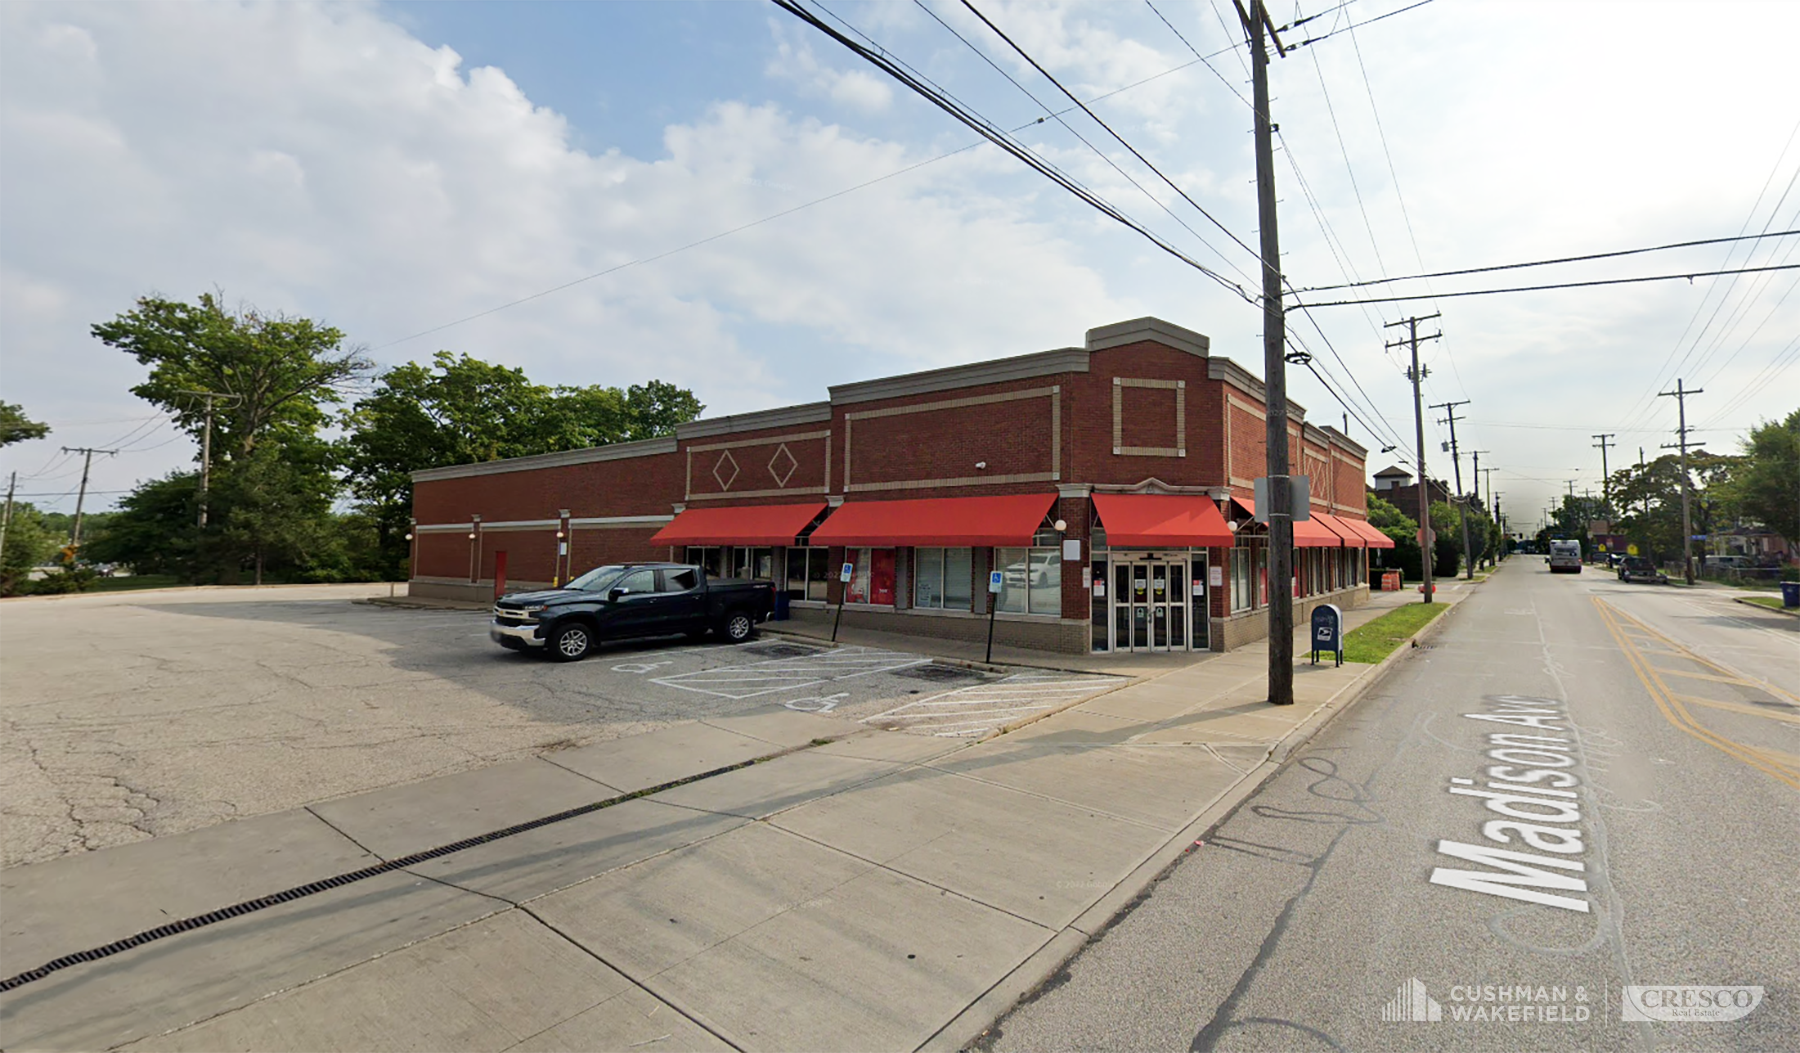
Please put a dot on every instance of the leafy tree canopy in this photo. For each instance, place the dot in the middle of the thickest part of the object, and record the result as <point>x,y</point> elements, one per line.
<point>16,427</point>
<point>272,372</point>
<point>460,410</point>
<point>1767,486</point>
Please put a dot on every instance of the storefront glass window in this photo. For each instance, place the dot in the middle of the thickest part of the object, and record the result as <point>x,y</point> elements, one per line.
<point>808,573</point>
<point>941,578</point>
<point>1031,580</point>
<point>958,582</point>
<point>872,580</point>
<point>928,577</point>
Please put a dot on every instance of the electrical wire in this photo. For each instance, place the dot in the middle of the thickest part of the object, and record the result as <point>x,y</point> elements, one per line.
<point>1393,437</point>
<point>1081,138</point>
<point>1358,25</point>
<point>1549,262</point>
<point>1022,53</point>
<point>1003,140</point>
<point>771,217</point>
<point>1690,275</point>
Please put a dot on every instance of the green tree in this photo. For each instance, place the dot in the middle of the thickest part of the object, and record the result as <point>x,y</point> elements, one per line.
<point>273,373</point>
<point>1767,485</point>
<point>273,378</point>
<point>1648,498</point>
<point>16,427</point>
<point>29,542</point>
<point>153,530</point>
<point>461,410</point>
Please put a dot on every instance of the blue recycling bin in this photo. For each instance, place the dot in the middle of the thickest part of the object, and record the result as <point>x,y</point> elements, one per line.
<point>780,613</point>
<point>1790,594</point>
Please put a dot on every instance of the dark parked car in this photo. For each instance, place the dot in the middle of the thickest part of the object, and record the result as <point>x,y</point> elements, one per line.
<point>626,601</point>
<point>1639,568</point>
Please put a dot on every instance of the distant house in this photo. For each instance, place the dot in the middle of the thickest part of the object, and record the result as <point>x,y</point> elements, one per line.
<point>1395,485</point>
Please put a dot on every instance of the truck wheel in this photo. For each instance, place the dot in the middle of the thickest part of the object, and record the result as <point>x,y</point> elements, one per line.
<point>571,643</point>
<point>737,627</point>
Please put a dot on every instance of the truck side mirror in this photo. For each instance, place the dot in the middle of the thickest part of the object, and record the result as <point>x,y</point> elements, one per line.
<point>613,595</point>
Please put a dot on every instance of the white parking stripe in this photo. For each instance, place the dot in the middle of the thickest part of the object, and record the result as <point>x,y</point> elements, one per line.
<point>946,713</point>
<point>782,674</point>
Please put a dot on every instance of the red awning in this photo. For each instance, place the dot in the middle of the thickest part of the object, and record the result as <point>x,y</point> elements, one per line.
<point>1377,539</point>
<point>953,521</point>
<point>1352,539</point>
<point>1307,533</point>
<point>739,525</point>
<point>1161,521</point>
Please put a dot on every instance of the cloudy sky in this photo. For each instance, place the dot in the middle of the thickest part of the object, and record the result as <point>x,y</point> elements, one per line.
<point>423,176</point>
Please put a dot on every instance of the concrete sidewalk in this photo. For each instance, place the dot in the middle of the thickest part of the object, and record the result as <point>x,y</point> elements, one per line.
<point>853,889</point>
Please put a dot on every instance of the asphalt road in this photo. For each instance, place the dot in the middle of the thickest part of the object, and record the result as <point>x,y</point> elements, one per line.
<point>1310,918</point>
<point>128,716</point>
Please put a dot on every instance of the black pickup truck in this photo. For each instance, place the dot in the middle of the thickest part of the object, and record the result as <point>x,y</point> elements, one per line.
<point>626,601</point>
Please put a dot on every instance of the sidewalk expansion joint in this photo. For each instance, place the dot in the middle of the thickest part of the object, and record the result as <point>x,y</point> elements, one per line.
<point>386,866</point>
<point>635,982</point>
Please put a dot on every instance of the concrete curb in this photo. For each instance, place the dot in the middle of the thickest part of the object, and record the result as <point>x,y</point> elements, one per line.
<point>967,1028</point>
<point>1746,601</point>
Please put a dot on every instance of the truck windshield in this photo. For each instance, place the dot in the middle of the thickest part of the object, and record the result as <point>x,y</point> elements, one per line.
<point>596,580</point>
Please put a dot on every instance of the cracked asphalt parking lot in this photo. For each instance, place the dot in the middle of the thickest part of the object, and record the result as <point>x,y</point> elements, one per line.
<point>126,716</point>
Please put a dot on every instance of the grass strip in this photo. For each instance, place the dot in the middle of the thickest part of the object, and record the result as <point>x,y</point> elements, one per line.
<point>1763,601</point>
<point>1376,640</point>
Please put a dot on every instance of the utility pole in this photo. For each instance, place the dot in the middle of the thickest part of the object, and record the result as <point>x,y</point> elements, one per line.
<point>1605,477</point>
<point>1687,522</point>
<point>6,517</point>
<point>1417,376</point>
<point>206,447</point>
<point>81,496</point>
<point>1451,418</point>
<point>1280,510</point>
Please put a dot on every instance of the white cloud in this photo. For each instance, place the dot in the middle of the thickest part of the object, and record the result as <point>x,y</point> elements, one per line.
<point>322,161</point>
<point>795,61</point>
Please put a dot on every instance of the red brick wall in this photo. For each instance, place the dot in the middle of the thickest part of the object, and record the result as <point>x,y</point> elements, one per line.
<point>760,466</point>
<point>630,486</point>
<point>1012,437</point>
<point>1149,419</point>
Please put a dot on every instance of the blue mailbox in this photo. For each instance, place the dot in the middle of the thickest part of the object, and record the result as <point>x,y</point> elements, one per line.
<point>1328,631</point>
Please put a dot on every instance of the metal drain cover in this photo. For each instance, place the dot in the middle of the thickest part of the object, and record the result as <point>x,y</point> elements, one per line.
<point>781,650</point>
<point>938,674</point>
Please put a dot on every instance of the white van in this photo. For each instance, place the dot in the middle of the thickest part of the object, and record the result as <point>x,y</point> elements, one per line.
<point>1565,557</point>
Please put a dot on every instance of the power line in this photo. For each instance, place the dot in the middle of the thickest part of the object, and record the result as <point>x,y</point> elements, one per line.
<point>1358,25</point>
<point>1546,263</point>
<point>1318,214</point>
<point>1690,275</point>
<point>1643,403</point>
<point>1079,137</point>
<point>1096,119</point>
<point>1001,139</point>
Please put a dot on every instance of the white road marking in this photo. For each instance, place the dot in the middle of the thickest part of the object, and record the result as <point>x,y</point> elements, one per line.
<point>784,674</point>
<point>947,713</point>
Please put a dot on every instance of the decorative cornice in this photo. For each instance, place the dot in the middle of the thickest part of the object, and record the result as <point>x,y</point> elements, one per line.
<point>780,417</point>
<point>998,371</point>
<point>1345,442</point>
<point>1155,330</point>
<point>1237,376</point>
<point>618,451</point>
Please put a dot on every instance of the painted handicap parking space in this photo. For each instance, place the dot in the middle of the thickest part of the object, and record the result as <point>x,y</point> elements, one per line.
<point>774,675</point>
<point>895,690</point>
<point>975,710</point>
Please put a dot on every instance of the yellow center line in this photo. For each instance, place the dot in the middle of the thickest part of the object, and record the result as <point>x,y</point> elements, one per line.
<point>1666,701</point>
<point>1742,682</point>
<point>1741,707</point>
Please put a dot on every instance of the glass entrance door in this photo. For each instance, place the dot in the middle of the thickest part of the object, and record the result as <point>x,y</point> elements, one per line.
<point>1150,604</point>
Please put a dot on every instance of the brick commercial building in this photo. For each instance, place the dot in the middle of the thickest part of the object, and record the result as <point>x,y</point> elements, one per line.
<point>1109,484</point>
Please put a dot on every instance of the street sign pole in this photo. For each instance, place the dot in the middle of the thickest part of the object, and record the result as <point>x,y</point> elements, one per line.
<point>995,577</point>
<point>844,573</point>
